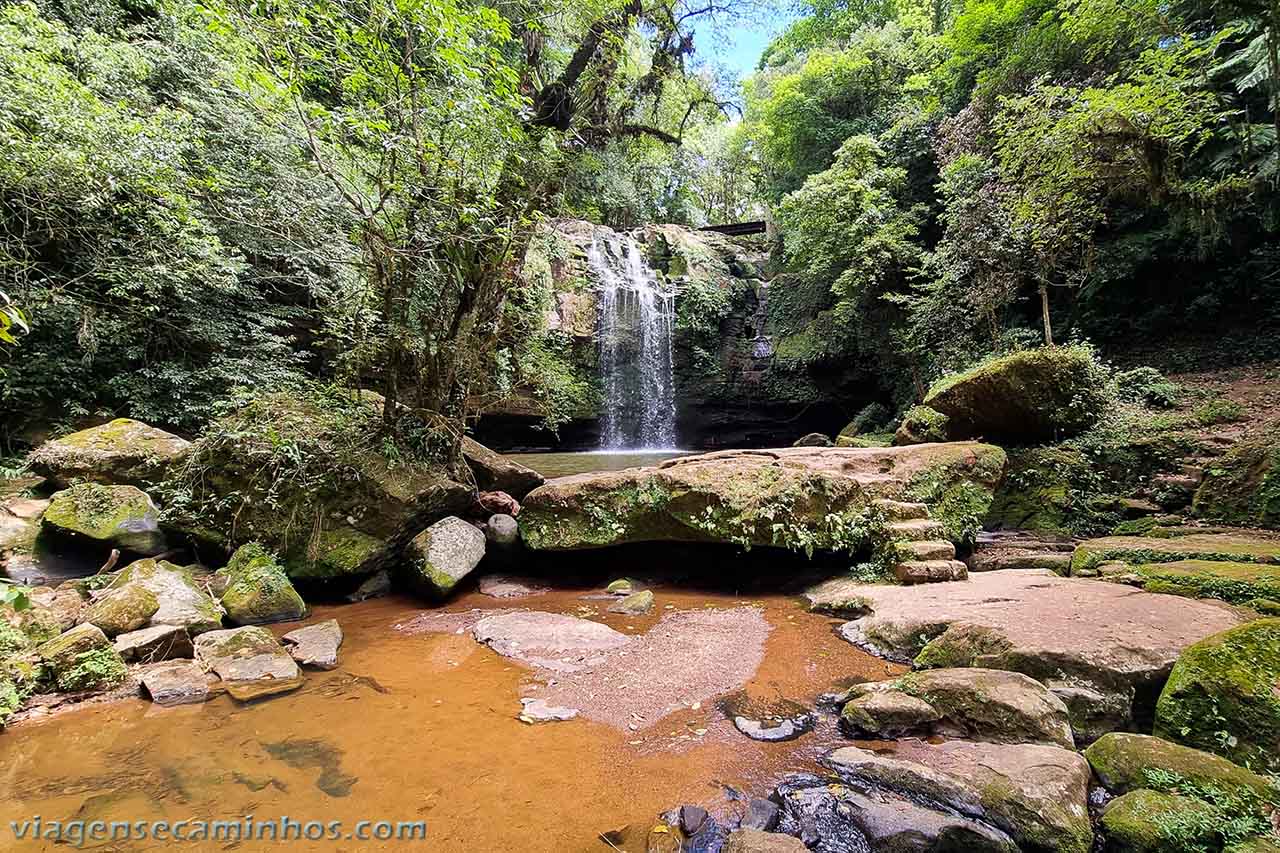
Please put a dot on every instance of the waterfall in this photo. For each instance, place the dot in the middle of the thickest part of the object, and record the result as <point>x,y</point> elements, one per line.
<point>636,362</point>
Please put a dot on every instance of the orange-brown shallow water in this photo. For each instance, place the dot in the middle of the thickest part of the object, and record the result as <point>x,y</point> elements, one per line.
<point>422,726</point>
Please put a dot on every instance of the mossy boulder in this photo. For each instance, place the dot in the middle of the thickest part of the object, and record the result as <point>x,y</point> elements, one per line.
<point>1238,547</point>
<point>308,475</point>
<point>800,498</point>
<point>921,425</point>
<point>1223,696</point>
<point>122,451</point>
<point>1146,821</point>
<point>443,554</point>
<point>1125,762</point>
<point>82,659</point>
<point>1238,583</point>
<point>1040,490</point>
<point>182,601</point>
<point>257,589</point>
<point>1025,397</point>
<point>1243,487</point>
<point>121,517</point>
<point>121,610</point>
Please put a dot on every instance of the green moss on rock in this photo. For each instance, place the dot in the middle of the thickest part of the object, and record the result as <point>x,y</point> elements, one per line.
<point>124,609</point>
<point>1223,696</point>
<point>1238,583</point>
<point>921,425</point>
<point>82,659</point>
<point>1146,821</point>
<point>257,589</point>
<point>1124,762</point>
<point>1024,397</point>
<point>1140,550</point>
<point>121,451</point>
<point>116,516</point>
<point>1243,487</point>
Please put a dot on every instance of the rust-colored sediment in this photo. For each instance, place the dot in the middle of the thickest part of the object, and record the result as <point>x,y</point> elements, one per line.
<point>422,726</point>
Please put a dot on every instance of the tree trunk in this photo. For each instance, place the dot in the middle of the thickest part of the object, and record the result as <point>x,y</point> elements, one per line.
<point>1044,312</point>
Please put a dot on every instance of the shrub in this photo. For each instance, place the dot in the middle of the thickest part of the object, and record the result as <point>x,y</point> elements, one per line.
<point>1148,387</point>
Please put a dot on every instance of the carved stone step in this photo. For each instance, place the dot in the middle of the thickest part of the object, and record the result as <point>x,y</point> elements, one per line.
<point>927,549</point>
<point>930,571</point>
<point>902,510</point>
<point>918,529</point>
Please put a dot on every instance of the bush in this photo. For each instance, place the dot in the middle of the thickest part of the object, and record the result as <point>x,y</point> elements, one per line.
<point>1148,387</point>
<point>1220,411</point>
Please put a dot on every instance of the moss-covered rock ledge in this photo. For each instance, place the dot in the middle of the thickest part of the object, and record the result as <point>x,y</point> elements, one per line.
<point>804,498</point>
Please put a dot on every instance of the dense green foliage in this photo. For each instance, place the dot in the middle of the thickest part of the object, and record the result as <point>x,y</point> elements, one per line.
<point>955,181</point>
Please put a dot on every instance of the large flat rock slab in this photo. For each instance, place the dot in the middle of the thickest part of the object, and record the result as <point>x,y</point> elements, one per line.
<point>552,641</point>
<point>785,497</point>
<point>1099,646</point>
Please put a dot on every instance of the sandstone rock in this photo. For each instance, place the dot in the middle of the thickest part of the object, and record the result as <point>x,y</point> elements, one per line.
<point>747,840</point>
<point>181,600</point>
<point>887,713</point>
<point>1099,646</point>
<point>497,503</point>
<point>1037,794</point>
<point>549,640</point>
<point>832,817</point>
<point>1123,762</point>
<point>635,604</point>
<point>444,554</point>
<point>495,472</point>
<point>920,425</point>
<point>64,604</point>
<point>122,610</point>
<point>507,586</point>
<point>1024,397</point>
<point>761,814</point>
<point>1136,550</point>
<point>502,530</point>
<point>376,585</point>
<point>257,589</point>
<point>1229,682</point>
<point>538,711</point>
<point>739,496</point>
<point>353,512</point>
<point>315,645</point>
<point>1132,823</point>
<point>122,451</point>
<point>172,684</point>
<point>149,645</point>
<point>979,704</point>
<point>249,661</point>
<point>82,659</point>
<point>813,439</point>
<point>107,516</point>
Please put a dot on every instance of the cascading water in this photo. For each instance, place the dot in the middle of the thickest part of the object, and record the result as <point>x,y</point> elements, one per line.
<point>636,361</point>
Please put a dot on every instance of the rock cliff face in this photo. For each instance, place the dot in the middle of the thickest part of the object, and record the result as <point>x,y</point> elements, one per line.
<point>730,390</point>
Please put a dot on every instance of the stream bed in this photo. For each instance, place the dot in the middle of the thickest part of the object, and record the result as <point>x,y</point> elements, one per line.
<point>421,725</point>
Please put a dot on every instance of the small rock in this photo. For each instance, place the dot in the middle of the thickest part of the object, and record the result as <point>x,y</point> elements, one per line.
<point>157,643</point>
<point>788,729</point>
<point>635,604</point>
<point>177,684</point>
<point>622,586</point>
<point>761,815</point>
<point>82,659</point>
<point>315,645</point>
<point>692,818</point>
<point>444,554</point>
<point>257,590</point>
<point>509,586</point>
<point>374,586</point>
<point>502,530</point>
<point>748,840</point>
<point>538,711</point>
<point>813,439</point>
<point>122,610</point>
<point>498,503</point>
<point>249,660</point>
